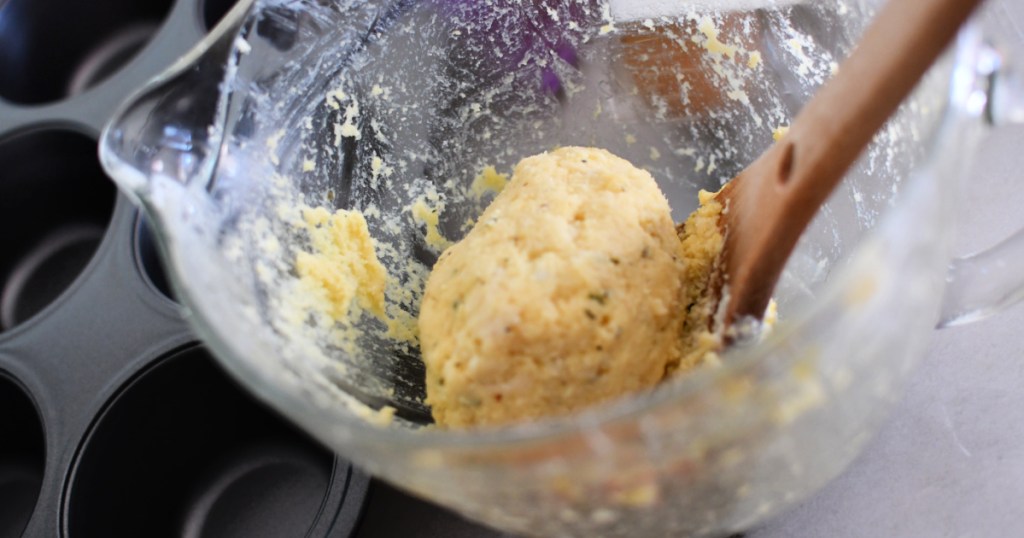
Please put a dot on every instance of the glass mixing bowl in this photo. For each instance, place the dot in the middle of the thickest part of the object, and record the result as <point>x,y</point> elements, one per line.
<point>375,104</point>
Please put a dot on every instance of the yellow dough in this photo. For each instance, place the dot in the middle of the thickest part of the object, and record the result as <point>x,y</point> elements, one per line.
<point>344,268</point>
<point>567,292</point>
<point>702,243</point>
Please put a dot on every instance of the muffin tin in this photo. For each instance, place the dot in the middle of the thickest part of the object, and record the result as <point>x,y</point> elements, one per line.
<point>114,420</point>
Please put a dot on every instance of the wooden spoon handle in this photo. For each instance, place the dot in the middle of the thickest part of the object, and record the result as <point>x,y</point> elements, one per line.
<point>773,200</point>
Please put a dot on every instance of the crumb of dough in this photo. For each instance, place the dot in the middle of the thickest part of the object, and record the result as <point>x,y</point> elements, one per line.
<point>712,43</point>
<point>565,294</point>
<point>402,326</point>
<point>754,59</point>
<point>429,217</point>
<point>379,417</point>
<point>771,316</point>
<point>488,181</point>
<point>343,267</point>
<point>780,132</point>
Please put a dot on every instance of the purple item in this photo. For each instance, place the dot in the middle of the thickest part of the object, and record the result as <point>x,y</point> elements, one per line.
<point>495,37</point>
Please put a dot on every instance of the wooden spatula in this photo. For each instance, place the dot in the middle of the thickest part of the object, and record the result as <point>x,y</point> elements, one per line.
<point>771,202</point>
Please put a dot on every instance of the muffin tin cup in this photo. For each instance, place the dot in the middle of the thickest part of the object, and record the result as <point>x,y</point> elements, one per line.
<point>55,204</point>
<point>114,420</point>
<point>96,39</point>
<point>22,457</point>
<point>180,450</point>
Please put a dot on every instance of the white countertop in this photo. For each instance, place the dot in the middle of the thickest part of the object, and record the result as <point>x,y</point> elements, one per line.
<point>950,460</point>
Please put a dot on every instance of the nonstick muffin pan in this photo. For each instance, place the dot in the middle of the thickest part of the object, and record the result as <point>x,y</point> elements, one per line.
<point>114,420</point>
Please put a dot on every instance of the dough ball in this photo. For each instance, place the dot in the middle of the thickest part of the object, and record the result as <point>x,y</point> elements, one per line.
<point>566,293</point>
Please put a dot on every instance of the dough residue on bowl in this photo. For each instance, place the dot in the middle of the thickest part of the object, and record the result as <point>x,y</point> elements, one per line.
<point>344,268</point>
<point>342,274</point>
<point>702,244</point>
